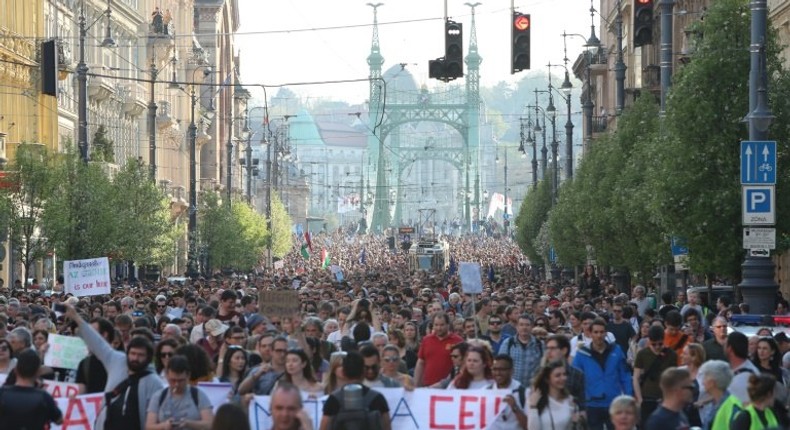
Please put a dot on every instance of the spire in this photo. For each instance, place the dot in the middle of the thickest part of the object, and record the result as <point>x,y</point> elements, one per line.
<point>473,32</point>
<point>375,57</point>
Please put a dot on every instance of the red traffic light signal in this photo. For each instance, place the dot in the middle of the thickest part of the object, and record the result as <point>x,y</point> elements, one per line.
<point>643,22</point>
<point>520,48</point>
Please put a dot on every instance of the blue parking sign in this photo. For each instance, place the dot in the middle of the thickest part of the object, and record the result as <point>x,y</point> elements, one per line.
<point>759,205</point>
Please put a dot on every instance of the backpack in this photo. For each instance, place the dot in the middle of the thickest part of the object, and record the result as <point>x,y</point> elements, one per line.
<point>192,390</point>
<point>119,416</point>
<point>357,419</point>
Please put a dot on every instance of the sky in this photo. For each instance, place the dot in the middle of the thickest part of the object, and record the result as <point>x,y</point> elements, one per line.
<point>275,51</point>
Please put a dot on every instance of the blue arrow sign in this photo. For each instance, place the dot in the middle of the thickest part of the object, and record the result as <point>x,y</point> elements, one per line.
<point>758,162</point>
<point>679,246</point>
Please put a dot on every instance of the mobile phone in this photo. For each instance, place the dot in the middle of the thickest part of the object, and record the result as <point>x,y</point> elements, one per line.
<point>60,308</point>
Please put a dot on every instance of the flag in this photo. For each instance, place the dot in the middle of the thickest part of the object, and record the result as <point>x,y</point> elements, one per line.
<point>324,258</point>
<point>308,241</point>
<point>363,257</point>
<point>305,253</point>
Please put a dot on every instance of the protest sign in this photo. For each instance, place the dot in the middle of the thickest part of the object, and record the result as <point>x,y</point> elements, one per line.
<point>217,392</point>
<point>61,389</point>
<point>79,413</point>
<point>65,352</point>
<point>411,410</point>
<point>280,303</point>
<point>89,277</point>
<point>470,278</point>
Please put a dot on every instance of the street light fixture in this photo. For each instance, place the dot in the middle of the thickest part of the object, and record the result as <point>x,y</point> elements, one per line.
<point>82,78</point>
<point>565,94</point>
<point>192,252</point>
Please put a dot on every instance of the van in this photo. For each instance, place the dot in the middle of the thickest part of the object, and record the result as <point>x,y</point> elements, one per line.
<point>727,291</point>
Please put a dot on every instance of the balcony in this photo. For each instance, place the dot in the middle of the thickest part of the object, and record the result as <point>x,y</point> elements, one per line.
<point>100,89</point>
<point>600,123</point>
<point>133,99</point>
<point>164,116</point>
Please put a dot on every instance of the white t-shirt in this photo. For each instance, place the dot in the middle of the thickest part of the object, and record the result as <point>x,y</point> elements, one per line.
<point>506,420</point>
<point>556,415</point>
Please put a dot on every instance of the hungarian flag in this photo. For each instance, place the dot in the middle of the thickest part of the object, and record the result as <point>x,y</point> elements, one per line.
<point>305,252</point>
<point>324,258</point>
<point>308,241</point>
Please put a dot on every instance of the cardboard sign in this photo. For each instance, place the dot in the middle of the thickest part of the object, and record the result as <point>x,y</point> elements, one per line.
<point>79,412</point>
<point>281,303</point>
<point>65,351</point>
<point>470,278</point>
<point>87,277</point>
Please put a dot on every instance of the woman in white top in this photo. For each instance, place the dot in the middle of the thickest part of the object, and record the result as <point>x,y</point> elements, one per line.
<point>550,405</point>
<point>476,372</point>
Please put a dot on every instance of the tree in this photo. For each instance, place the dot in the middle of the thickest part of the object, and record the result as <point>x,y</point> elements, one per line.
<point>102,149</point>
<point>533,213</point>
<point>235,237</point>
<point>146,234</point>
<point>23,204</point>
<point>697,195</point>
<point>282,240</point>
<point>80,219</point>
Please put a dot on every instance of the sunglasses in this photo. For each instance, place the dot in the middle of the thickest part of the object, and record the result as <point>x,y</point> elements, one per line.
<point>166,354</point>
<point>391,359</point>
<point>494,322</point>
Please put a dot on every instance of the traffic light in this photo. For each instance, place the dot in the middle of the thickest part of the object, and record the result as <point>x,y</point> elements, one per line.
<point>451,66</point>
<point>519,53</point>
<point>643,22</point>
<point>49,68</point>
<point>453,50</point>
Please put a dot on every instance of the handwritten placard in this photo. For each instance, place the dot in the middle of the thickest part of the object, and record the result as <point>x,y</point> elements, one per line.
<point>470,278</point>
<point>281,303</point>
<point>61,389</point>
<point>87,277</point>
<point>65,352</point>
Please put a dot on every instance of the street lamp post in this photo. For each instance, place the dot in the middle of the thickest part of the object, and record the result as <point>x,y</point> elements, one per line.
<point>192,253</point>
<point>152,123</point>
<point>758,286</point>
<point>82,79</point>
<point>273,143</point>
<point>565,94</point>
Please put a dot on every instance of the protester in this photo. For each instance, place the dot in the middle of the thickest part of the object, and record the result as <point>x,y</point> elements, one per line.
<point>716,378</point>
<point>24,405</point>
<point>434,363</point>
<point>476,371</point>
<point>624,413</point>
<point>761,412</point>
<point>286,409</point>
<point>549,403</point>
<point>299,373</point>
<point>649,365</point>
<point>179,404</point>
<point>676,394</point>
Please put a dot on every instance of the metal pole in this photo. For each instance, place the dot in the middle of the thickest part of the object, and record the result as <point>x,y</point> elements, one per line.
<point>229,173</point>
<point>269,223</point>
<point>82,90</point>
<point>619,66</point>
<point>555,174</point>
<point>758,286</point>
<point>666,50</point>
<point>568,139</point>
<point>506,223</point>
<point>192,227</point>
<point>588,106</point>
<point>248,156</point>
<point>544,151</point>
<point>534,138</point>
<point>152,124</point>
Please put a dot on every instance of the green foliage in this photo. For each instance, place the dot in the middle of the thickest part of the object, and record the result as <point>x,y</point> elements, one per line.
<point>653,179</point>
<point>103,148</point>
<point>22,205</point>
<point>147,235</point>
<point>282,240</point>
<point>533,213</point>
<point>696,192</point>
<point>80,219</point>
<point>234,236</point>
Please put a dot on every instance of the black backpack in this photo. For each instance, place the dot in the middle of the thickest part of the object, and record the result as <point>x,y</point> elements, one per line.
<point>357,419</point>
<point>193,391</point>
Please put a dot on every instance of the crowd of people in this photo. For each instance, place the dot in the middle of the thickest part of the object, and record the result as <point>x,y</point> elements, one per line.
<point>571,354</point>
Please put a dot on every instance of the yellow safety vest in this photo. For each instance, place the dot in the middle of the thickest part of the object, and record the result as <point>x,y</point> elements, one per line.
<point>757,424</point>
<point>726,413</point>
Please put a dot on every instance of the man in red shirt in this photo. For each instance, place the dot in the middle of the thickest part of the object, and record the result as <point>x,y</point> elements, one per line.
<point>434,362</point>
